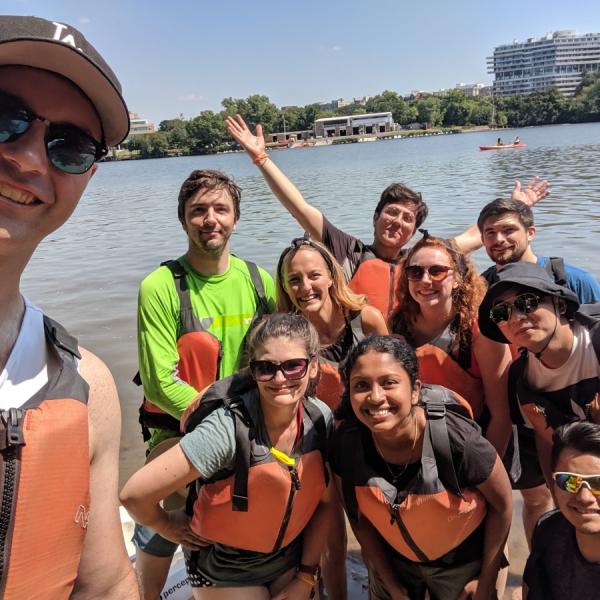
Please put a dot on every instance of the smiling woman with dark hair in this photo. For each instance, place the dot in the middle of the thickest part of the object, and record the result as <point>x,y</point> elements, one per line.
<point>427,495</point>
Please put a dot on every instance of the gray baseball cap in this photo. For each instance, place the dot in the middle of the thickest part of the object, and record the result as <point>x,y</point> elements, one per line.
<point>62,49</point>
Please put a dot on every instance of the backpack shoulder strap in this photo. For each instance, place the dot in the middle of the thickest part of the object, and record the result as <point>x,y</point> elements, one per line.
<point>440,440</point>
<point>556,268</point>
<point>318,420</point>
<point>65,344</point>
<point>263,305</point>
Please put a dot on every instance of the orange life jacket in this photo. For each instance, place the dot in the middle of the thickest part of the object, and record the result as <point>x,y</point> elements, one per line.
<point>199,350</point>
<point>330,386</point>
<point>434,515</point>
<point>45,481</point>
<point>261,505</point>
<point>378,280</point>
<point>438,365</point>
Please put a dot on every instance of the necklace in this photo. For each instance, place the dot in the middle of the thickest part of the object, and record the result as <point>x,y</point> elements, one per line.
<point>397,475</point>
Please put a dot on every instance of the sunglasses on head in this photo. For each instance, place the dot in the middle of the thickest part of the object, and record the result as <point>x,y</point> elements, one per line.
<point>572,482</point>
<point>524,303</point>
<point>435,272</point>
<point>69,148</point>
<point>265,370</point>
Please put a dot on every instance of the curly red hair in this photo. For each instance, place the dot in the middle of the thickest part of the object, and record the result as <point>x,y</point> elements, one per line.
<point>466,297</point>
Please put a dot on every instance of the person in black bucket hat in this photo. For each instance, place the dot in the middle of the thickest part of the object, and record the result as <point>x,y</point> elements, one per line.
<point>60,533</point>
<point>530,278</point>
<point>556,379</point>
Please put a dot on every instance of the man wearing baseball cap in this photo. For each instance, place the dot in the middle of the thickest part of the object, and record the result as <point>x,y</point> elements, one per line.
<point>60,533</point>
<point>556,379</point>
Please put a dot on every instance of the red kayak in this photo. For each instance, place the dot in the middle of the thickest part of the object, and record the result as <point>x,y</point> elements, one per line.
<point>502,147</point>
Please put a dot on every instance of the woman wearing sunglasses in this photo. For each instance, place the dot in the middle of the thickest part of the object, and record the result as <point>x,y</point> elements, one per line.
<point>438,298</point>
<point>428,494</point>
<point>266,542</point>
<point>565,554</point>
<point>310,281</point>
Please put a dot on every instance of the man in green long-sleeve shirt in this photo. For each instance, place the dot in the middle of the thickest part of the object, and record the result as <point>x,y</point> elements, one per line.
<point>193,316</point>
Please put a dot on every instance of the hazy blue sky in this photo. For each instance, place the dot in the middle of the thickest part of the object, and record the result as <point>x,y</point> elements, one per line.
<point>185,56</point>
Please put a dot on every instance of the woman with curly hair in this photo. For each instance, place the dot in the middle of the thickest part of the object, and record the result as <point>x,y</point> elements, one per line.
<point>438,298</point>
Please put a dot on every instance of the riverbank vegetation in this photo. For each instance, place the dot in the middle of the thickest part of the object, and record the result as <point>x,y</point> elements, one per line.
<point>207,134</point>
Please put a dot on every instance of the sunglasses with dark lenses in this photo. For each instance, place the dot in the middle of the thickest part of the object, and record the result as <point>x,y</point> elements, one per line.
<point>524,303</point>
<point>572,482</point>
<point>435,272</point>
<point>265,370</point>
<point>69,148</point>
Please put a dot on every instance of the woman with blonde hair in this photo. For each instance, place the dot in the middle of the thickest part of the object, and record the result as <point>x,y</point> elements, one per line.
<point>438,299</point>
<point>310,281</point>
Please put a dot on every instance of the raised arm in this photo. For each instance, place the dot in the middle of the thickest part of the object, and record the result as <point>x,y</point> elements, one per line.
<point>104,570</point>
<point>307,216</point>
<point>536,190</point>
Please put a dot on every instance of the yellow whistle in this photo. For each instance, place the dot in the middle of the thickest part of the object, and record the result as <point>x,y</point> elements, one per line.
<point>283,458</point>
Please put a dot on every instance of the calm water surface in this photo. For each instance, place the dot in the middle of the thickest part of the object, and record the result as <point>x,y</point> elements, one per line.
<point>86,275</point>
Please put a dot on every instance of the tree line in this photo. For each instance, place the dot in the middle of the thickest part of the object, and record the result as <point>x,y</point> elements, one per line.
<point>207,134</point>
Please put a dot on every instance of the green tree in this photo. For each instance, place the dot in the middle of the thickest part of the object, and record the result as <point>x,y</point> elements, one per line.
<point>457,108</point>
<point>255,109</point>
<point>207,132</point>
<point>389,101</point>
<point>429,111</point>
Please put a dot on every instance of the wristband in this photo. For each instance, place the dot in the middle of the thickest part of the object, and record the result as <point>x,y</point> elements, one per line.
<point>261,159</point>
<point>312,570</point>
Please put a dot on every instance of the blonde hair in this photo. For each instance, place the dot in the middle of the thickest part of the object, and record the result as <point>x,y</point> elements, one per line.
<point>341,294</point>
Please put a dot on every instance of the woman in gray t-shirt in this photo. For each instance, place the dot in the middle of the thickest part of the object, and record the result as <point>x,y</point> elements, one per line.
<point>268,541</point>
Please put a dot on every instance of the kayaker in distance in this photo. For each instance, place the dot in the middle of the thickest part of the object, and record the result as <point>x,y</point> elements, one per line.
<point>517,140</point>
<point>499,142</point>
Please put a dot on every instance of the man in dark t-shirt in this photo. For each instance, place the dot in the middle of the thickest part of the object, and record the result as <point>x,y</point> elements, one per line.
<point>565,555</point>
<point>370,268</point>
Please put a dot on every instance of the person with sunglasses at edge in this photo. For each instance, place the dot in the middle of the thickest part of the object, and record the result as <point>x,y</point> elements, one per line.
<point>372,269</point>
<point>438,297</point>
<point>193,316</point>
<point>60,533</point>
<point>264,541</point>
<point>310,282</point>
<point>556,378</point>
<point>565,554</point>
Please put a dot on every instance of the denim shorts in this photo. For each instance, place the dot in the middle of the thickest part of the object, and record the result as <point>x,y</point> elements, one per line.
<point>150,542</point>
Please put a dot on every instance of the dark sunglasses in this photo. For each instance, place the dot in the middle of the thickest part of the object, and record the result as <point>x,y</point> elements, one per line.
<point>572,482</point>
<point>435,272</point>
<point>265,370</point>
<point>524,303</point>
<point>69,149</point>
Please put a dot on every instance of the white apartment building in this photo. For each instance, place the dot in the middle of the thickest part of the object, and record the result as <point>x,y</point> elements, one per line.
<point>558,59</point>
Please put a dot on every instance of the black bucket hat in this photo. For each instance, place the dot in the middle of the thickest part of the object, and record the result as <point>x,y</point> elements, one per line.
<point>62,49</point>
<point>530,277</point>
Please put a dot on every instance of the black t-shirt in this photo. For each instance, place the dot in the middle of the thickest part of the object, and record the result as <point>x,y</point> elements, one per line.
<point>555,569</point>
<point>472,454</point>
<point>473,457</point>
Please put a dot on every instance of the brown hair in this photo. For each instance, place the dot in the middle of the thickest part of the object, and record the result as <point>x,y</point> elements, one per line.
<point>466,298</point>
<point>401,194</point>
<point>207,179</point>
<point>500,206</point>
<point>341,294</point>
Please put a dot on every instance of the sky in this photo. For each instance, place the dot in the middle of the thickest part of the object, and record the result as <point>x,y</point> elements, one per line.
<point>182,57</point>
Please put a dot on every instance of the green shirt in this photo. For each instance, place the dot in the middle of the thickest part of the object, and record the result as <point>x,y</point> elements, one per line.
<point>228,302</point>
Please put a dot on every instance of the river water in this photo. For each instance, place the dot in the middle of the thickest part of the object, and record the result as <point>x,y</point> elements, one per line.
<point>86,274</point>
